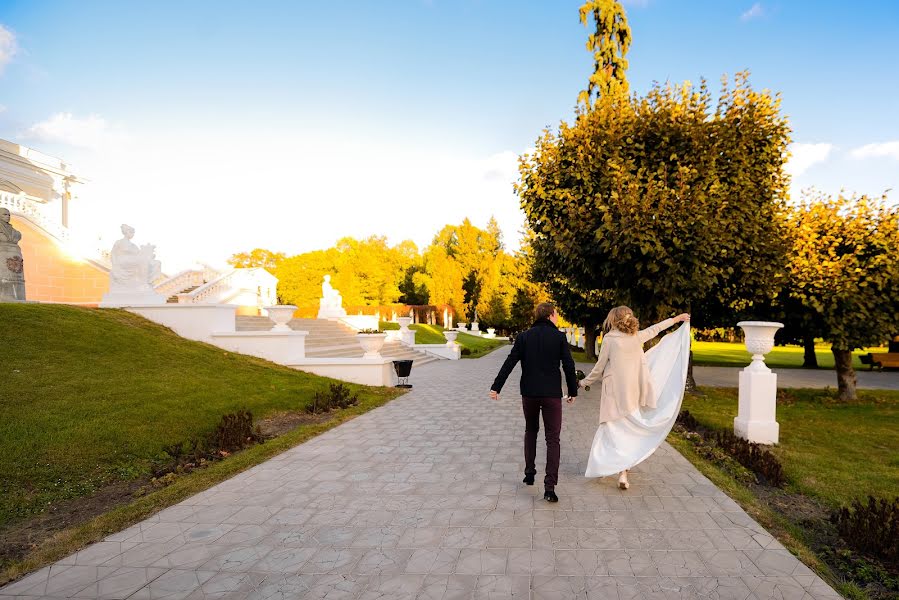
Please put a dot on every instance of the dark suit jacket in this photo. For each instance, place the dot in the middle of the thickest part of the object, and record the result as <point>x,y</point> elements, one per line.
<point>540,349</point>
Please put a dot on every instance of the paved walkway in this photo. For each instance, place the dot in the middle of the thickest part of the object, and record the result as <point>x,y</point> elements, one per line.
<point>423,498</point>
<point>798,378</point>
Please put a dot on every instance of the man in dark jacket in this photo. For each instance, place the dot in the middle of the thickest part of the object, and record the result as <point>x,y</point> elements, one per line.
<point>541,349</point>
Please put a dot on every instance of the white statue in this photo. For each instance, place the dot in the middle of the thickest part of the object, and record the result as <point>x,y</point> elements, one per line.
<point>12,272</point>
<point>133,272</point>
<point>331,304</point>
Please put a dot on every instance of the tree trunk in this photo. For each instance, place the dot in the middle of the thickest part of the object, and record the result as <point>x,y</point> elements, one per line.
<point>590,341</point>
<point>691,382</point>
<point>809,358</point>
<point>846,379</point>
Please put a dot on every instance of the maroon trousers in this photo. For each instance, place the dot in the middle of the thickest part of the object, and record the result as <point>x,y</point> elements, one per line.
<point>552,424</point>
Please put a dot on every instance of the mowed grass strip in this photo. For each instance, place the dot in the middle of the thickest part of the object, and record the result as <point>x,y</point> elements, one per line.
<point>90,397</point>
<point>728,354</point>
<point>830,450</point>
<point>433,334</point>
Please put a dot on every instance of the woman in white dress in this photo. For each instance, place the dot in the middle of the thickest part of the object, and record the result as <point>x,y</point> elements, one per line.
<point>640,393</point>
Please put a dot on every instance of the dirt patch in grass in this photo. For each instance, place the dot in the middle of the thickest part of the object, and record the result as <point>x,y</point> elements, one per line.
<point>21,538</point>
<point>281,423</point>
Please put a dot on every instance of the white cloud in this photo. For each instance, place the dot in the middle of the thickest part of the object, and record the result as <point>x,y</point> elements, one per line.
<point>89,132</point>
<point>754,12</point>
<point>879,150</point>
<point>8,46</point>
<point>803,156</point>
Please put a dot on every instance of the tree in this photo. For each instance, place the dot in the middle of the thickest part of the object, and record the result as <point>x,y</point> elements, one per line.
<point>257,257</point>
<point>662,202</point>
<point>844,275</point>
<point>609,44</point>
<point>414,287</point>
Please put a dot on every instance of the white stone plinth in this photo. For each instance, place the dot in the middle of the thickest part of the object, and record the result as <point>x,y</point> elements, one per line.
<point>491,333</point>
<point>282,347</point>
<point>332,313</point>
<point>755,420</point>
<point>461,327</point>
<point>378,371</point>
<point>451,336</point>
<point>474,326</point>
<point>281,315</point>
<point>192,321</point>
<point>126,299</point>
<point>757,404</point>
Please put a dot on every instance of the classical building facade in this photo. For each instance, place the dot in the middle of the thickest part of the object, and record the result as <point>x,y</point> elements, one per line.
<point>40,190</point>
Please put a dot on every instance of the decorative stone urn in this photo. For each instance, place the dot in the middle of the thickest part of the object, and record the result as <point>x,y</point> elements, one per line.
<point>491,332</point>
<point>757,404</point>
<point>450,336</point>
<point>407,336</point>
<point>474,326</point>
<point>463,327</point>
<point>281,315</point>
<point>371,344</point>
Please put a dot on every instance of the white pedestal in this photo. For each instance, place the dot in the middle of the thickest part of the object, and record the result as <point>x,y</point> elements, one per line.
<point>755,420</point>
<point>331,313</point>
<point>120,299</point>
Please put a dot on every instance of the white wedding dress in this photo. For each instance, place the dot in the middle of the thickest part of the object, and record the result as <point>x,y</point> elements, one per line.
<point>626,442</point>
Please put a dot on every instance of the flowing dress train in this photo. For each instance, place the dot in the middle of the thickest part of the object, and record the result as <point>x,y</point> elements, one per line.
<point>628,441</point>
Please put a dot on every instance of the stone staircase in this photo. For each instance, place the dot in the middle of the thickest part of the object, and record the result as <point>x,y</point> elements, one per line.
<point>173,299</point>
<point>331,339</point>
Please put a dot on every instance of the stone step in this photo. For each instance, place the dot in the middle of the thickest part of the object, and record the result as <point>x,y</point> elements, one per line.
<point>173,299</point>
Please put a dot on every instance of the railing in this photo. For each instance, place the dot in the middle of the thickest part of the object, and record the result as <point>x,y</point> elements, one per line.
<point>186,279</point>
<point>23,206</point>
<point>28,208</point>
<point>255,281</point>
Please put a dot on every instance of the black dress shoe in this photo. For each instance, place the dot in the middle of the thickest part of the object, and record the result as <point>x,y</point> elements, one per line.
<point>528,479</point>
<point>550,496</point>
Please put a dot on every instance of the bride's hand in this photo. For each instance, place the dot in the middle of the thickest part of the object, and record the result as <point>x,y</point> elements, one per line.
<point>682,318</point>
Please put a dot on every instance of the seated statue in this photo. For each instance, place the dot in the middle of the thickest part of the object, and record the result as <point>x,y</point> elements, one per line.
<point>131,265</point>
<point>330,297</point>
<point>331,304</point>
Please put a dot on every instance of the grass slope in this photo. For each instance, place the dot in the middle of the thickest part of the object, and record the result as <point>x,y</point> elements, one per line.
<point>90,397</point>
<point>830,450</point>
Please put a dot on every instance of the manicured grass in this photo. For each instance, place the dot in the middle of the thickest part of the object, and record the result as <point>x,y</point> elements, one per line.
<point>90,397</point>
<point>830,450</point>
<point>433,334</point>
<point>725,354</point>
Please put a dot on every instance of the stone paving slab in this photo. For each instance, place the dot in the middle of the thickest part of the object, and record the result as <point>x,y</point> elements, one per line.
<point>423,498</point>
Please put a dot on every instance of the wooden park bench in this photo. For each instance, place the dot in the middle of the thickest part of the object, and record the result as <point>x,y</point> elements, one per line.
<point>881,360</point>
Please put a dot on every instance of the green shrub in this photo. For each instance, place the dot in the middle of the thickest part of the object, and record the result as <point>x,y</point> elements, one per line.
<point>871,528</point>
<point>337,396</point>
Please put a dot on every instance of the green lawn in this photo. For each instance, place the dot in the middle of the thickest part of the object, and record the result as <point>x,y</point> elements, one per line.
<point>725,354</point>
<point>433,334</point>
<point>830,450</point>
<point>89,397</point>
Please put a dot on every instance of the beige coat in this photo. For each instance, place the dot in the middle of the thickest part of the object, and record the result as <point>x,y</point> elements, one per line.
<point>626,384</point>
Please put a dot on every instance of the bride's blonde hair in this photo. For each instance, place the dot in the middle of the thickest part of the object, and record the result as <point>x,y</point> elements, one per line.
<point>621,318</point>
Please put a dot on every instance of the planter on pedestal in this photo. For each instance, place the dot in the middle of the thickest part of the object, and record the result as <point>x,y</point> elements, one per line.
<point>450,336</point>
<point>755,420</point>
<point>371,344</point>
<point>407,336</point>
<point>491,332</point>
<point>281,315</point>
<point>474,326</point>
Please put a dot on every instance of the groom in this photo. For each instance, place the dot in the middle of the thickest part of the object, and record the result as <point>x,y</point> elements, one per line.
<point>541,349</point>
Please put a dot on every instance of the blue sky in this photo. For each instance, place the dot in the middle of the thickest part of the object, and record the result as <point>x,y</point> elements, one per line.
<point>289,124</point>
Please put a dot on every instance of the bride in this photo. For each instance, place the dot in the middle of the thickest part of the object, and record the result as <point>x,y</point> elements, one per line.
<point>640,393</point>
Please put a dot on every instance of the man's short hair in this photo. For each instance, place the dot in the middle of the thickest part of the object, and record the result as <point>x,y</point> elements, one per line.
<point>544,310</point>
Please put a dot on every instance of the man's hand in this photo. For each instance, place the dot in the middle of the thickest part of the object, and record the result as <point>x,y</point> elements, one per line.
<point>571,399</point>
<point>494,395</point>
